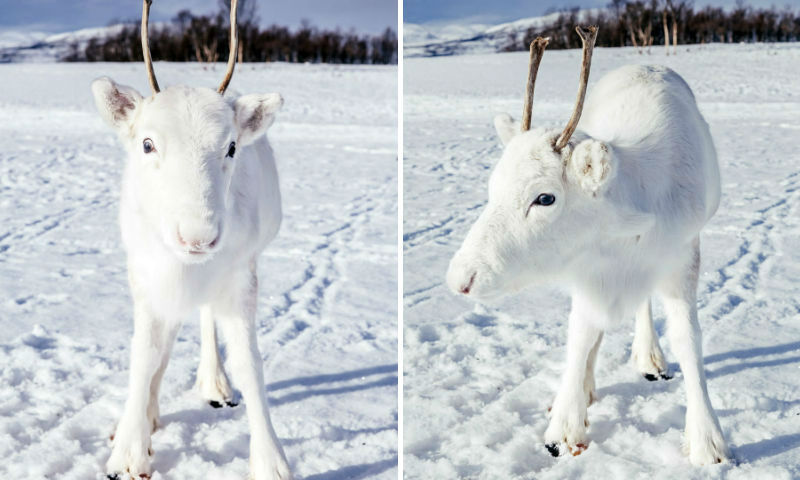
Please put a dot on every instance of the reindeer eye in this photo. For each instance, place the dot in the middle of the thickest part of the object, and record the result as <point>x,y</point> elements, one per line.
<point>545,200</point>
<point>148,146</point>
<point>231,149</point>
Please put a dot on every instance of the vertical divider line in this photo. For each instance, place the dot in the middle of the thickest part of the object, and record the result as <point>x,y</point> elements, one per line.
<point>400,239</point>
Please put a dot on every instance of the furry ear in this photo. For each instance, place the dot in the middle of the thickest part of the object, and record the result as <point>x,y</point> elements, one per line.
<point>116,103</point>
<point>254,115</point>
<point>506,127</point>
<point>590,166</point>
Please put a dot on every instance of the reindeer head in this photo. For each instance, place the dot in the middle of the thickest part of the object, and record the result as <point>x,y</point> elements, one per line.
<point>183,145</point>
<point>546,200</point>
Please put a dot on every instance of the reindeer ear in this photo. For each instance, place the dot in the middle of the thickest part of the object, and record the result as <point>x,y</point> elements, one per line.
<point>590,166</point>
<point>254,115</point>
<point>116,103</point>
<point>506,127</point>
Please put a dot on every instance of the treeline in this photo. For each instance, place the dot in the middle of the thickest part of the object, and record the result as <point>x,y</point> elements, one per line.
<point>191,38</point>
<point>643,24</point>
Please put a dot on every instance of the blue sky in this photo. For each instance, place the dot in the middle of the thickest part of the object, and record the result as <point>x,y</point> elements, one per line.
<point>498,11</point>
<point>366,16</point>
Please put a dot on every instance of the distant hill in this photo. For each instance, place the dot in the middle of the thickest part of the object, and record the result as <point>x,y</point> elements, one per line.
<point>429,41</point>
<point>39,47</point>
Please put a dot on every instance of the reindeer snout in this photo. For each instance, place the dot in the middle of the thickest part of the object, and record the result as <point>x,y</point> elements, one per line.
<point>198,239</point>
<point>460,277</point>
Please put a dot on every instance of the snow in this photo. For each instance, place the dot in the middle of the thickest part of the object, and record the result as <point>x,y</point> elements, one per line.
<point>327,316</point>
<point>478,378</point>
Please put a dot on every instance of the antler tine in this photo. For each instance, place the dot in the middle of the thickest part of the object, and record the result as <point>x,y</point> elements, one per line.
<point>537,50</point>
<point>588,36</point>
<point>148,61</point>
<point>234,48</point>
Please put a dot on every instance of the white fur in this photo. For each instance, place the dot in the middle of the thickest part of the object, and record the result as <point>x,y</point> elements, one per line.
<point>194,222</point>
<point>633,188</point>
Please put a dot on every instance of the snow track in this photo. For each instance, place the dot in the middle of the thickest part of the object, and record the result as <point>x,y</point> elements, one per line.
<point>478,379</point>
<point>327,305</point>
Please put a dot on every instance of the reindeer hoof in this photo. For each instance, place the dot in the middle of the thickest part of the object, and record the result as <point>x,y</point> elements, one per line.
<point>553,449</point>
<point>231,404</point>
<point>578,449</point>
<point>652,378</point>
<point>215,404</point>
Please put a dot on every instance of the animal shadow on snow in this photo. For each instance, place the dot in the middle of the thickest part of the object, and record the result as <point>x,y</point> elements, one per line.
<point>310,381</point>
<point>793,347</point>
<point>766,448</point>
<point>237,447</point>
<point>355,472</point>
<point>673,418</point>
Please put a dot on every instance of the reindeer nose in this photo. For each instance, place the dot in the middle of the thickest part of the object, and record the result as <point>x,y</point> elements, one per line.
<point>198,241</point>
<point>465,288</point>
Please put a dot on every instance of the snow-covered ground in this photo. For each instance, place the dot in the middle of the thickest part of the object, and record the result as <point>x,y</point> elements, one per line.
<point>478,379</point>
<point>328,292</point>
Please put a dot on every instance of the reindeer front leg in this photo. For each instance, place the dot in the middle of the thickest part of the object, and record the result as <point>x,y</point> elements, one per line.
<point>588,381</point>
<point>152,338</point>
<point>704,442</point>
<point>212,383</point>
<point>567,429</point>
<point>645,350</point>
<point>155,384</point>
<point>236,313</point>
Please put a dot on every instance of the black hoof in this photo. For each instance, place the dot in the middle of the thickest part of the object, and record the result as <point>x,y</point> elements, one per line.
<point>231,404</point>
<point>112,476</point>
<point>215,404</point>
<point>553,449</point>
<point>652,378</point>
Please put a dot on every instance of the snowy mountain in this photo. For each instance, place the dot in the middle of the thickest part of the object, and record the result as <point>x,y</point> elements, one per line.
<point>431,40</point>
<point>20,46</point>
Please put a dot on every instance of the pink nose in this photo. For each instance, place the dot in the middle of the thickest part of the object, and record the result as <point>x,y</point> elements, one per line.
<point>468,286</point>
<point>197,245</point>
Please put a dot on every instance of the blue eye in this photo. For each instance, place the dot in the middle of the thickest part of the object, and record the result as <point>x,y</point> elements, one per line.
<point>545,200</point>
<point>148,146</point>
<point>231,149</point>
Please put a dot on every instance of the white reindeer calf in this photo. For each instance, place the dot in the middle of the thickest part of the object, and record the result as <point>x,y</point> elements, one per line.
<point>613,213</point>
<point>200,201</point>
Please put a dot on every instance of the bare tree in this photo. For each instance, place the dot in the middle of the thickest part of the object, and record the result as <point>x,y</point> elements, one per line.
<point>664,9</point>
<point>617,7</point>
<point>205,33</point>
<point>247,16</point>
<point>630,14</point>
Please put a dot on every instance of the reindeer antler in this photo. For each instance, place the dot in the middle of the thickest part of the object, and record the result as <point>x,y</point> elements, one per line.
<point>588,36</point>
<point>234,48</point>
<point>148,61</point>
<point>537,50</point>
